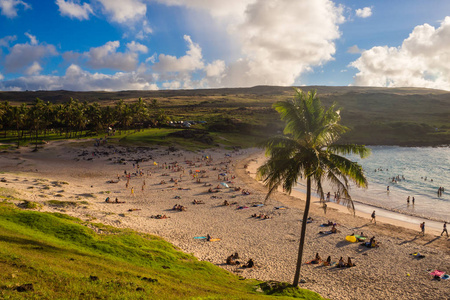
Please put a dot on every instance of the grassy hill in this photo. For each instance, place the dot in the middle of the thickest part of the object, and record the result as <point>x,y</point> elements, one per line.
<point>376,116</point>
<point>54,256</point>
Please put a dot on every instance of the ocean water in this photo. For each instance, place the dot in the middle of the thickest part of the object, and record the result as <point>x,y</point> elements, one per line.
<point>421,171</point>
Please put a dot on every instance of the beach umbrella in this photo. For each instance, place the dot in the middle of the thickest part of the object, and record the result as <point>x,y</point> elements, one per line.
<point>155,163</point>
<point>224,184</point>
<point>198,171</point>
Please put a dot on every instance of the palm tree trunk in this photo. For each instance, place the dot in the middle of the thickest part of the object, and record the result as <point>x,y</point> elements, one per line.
<point>303,232</point>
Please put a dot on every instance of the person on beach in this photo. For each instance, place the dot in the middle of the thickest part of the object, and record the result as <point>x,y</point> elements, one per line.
<point>341,263</point>
<point>413,200</point>
<point>373,218</point>
<point>325,208</point>
<point>208,237</point>
<point>333,229</point>
<point>249,264</point>
<point>444,229</point>
<point>231,260</point>
<point>317,259</point>
<point>328,261</point>
<point>422,228</point>
<point>407,200</point>
<point>349,263</point>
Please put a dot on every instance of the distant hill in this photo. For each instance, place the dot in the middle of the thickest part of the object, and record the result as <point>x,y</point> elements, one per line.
<point>386,116</point>
<point>101,96</point>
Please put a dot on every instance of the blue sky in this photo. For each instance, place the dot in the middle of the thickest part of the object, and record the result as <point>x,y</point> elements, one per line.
<point>172,44</point>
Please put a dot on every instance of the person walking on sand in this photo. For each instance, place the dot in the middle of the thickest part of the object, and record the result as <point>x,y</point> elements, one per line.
<point>422,227</point>
<point>373,218</point>
<point>444,229</point>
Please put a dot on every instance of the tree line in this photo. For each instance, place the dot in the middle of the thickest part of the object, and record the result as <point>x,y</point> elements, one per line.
<point>74,118</point>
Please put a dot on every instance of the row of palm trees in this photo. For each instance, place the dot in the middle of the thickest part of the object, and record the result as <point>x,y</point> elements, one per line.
<point>73,117</point>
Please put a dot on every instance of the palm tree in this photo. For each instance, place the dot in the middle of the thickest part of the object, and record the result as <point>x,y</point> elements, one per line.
<point>18,118</point>
<point>308,150</point>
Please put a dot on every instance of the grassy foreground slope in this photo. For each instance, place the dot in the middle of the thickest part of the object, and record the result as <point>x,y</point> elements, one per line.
<point>54,256</point>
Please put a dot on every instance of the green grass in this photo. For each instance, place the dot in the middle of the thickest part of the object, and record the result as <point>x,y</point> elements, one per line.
<point>64,259</point>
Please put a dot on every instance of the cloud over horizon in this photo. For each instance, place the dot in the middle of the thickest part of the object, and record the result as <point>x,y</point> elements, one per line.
<point>423,60</point>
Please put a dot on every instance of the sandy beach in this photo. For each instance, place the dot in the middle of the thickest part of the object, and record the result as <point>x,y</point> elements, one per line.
<point>80,172</point>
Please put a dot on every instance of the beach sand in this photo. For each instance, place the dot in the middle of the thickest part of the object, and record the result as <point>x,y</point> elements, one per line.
<point>70,172</point>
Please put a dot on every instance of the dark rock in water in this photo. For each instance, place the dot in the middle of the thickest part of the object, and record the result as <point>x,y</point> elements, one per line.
<point>25,287</point>
<point>93,278</point>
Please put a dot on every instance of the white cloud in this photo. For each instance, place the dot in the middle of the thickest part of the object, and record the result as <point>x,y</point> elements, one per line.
<point>107,57</point>
<point>215,69</point>
<point>4,42</point>
<point>145,30</point>
<point>278,40</point>
<point>23,55</point>
<point>77,79</point>
<point>217,8</point>
<point>171,85</point>
<point>423,60</point>
<point>192,61</point>
<point>74,10</point>
<point>122,11</point>
<point>1,76</point>
<point>282,39</point>
<point>9,7</point>
<point>33,40</point>
<point>354,50</point>
<point>364,12</point>
<point>137,47</point>
<point>34,69</point>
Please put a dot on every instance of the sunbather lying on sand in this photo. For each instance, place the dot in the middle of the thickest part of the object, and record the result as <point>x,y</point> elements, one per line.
<point>372,243</point>
<point>160,217</point>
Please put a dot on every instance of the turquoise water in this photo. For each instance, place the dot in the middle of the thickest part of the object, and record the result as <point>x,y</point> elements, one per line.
<point>424,170</point>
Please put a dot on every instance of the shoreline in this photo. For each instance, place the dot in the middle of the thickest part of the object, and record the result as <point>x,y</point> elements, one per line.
<point>362,209</point>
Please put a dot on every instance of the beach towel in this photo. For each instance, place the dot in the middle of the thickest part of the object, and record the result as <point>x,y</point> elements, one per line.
<point>362,238</point>
<point>199,237</point>
<point>242,207</point>
<point>437,273</point>
<point>351,238</point>
<point>311,262</point>
<point>445,277</point>
<point>325,232</point>
<point>214,240</point>
<point>257,205</point>
<point>280,207</point>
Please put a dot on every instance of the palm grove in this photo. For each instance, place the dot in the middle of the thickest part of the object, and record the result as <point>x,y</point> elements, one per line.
<point>308,149</point>
<point>74,118</point>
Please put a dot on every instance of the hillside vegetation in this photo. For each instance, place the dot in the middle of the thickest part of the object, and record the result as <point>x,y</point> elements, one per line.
<point>376,116</point>
<point>54,256</point>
